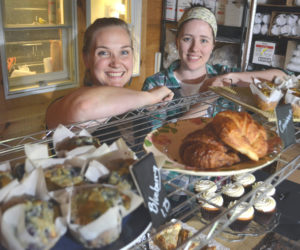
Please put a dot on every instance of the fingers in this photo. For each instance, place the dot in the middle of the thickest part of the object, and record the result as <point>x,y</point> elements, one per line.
<point>169,96</point>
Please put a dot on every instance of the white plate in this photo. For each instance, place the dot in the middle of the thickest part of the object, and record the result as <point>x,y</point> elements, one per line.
<point>165,142</point>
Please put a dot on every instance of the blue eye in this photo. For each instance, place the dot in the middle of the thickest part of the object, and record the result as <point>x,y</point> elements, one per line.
<point>103,53</point>
<point>204,40</point>
<point>125,52</point>
<point>186,39</point>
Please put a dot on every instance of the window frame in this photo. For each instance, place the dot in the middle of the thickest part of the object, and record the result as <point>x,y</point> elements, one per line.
<point>45,82</point>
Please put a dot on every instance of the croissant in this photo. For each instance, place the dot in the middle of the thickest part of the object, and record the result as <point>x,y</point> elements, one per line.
<point>241,132</point>
<point>202,149</point>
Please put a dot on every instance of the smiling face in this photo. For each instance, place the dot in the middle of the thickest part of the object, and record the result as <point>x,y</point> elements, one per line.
<point>195,43</point>
<point>111,59</point>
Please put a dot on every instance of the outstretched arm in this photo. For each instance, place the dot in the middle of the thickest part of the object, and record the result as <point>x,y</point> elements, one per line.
<point>94,103</point>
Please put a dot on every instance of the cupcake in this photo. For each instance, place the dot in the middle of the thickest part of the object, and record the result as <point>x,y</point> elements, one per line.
<point>245,179</point>
<point>265,208</point>
<point>268,189</point>
<point>232,192</point>
<point>205,185</point>
<point>208,210</point>
<point>245,214</point>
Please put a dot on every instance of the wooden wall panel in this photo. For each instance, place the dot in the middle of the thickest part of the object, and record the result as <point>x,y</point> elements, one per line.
<point>26,115</point>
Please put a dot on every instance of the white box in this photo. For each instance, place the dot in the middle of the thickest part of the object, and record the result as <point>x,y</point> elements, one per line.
<point>263,52</point>
<point>220,11</point>
<point>234,13</point>
<point>170,10</point>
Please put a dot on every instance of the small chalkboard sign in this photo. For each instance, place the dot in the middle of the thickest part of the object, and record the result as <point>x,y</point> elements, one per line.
<point>285,126</point>
<point>147,178</point>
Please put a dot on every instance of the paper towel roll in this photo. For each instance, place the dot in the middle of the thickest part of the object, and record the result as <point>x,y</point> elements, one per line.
<point>285,30</point>
<point>256,28</point>
<point>275,30</point>
<point>258,18</point>
<point>266,18</point>
<point>280,19</point>
<point>291,19</point>
<point>48,64</point>
<point>264,29</point>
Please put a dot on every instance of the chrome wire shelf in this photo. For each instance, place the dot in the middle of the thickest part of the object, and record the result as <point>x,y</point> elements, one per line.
<point>133,126</point>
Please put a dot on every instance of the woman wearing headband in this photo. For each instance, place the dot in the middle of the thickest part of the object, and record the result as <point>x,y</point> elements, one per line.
<point>191,74</point>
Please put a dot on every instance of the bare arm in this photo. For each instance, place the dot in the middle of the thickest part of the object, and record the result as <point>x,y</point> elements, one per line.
<point>242,79</point>
<point>91,103</point>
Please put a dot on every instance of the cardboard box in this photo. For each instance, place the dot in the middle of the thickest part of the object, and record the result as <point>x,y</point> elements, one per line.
<point>181,6</point>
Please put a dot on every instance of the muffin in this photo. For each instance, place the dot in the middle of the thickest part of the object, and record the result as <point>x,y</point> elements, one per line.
<point>208,210</point>
<point>265,208</point>
<point>268,189</point>
<point>246,180</point>
<point>232,192</point>
<point>205,185</point>
<point>61,176</point>
<point>246,215</point>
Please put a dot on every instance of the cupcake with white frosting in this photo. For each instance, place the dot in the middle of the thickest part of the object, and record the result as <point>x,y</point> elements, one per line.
<point>244,213</point>
<point>205,185</point>
<point>232,192</point>
<point>268,189</point>
<point>246,180</point>
<point>265,208</point>
<point>213,208</point>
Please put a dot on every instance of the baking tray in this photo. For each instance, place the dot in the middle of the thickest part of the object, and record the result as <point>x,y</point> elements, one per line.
<point>244,97</point>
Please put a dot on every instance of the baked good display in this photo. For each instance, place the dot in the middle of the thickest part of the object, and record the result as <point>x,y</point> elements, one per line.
<point>268,189</point>
<point>205,185</point>
<point>61,176</point>
<point>232,192</point>
<point>265,208</point>
<point>212,209</point>
<point>244,213</point>
<point>246,179</point>
<point>5,178</point>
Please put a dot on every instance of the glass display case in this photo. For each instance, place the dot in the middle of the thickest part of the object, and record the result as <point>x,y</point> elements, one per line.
<point>38,46</point>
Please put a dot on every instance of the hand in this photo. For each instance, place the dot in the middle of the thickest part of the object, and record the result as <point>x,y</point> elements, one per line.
<point>217,81</point>
<point>161,94</point>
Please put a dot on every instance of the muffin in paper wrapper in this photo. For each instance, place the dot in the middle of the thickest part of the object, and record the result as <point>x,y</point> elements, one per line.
<point>264,102</point>
<point>14,231</point>
<point>105,228</point>
<point>293,97</point>
<point>68,144</point>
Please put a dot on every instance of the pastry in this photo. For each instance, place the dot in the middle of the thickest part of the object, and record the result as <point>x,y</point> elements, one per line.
<point>40,220</point>
<point>88,204</point>
<point>209,211</point>
<point>61,176</point>
<point>202,149</point>
<point>246,180</point>
<point>241,132</point>
<point>167,239</point>
<point>232,192</point>
<point>292,96</point>
<point>268,189</point>
<point>69,144</point>
<point>265,209</point>
<point>244,213</point>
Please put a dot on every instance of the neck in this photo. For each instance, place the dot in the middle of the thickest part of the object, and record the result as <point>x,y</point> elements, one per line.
<point>190,76</point>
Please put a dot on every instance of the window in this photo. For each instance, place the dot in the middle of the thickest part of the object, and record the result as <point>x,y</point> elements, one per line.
<point>38,46</point>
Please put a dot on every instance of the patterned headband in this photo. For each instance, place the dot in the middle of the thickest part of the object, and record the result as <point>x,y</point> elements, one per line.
<point>202,14</point>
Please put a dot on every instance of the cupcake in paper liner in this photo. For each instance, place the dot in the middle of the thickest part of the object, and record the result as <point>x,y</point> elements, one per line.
<point>267,95</point>
<point>32,223</point>
<point>292,96</point>
<point>7,180</point>
<point>66,143</point>
<point>96,212</point>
